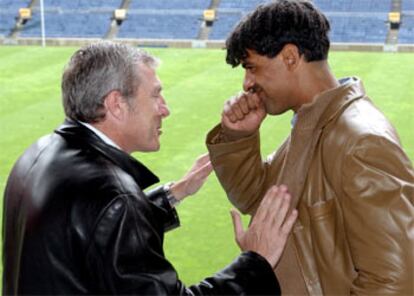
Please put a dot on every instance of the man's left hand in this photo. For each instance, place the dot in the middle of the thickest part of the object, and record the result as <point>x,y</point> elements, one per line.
<point>194,179</point>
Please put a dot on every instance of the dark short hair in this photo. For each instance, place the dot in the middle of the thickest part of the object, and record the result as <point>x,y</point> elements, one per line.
<point>271,26</point>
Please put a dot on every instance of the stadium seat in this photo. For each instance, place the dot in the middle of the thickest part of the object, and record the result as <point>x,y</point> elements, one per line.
<point>75,18</point>
<point>9,10</point>
<point>406,33</point>
<point>163,19</point>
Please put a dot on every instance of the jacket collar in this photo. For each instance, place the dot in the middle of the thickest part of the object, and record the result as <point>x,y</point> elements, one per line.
<point>327,105</point>
<point>75,132</point>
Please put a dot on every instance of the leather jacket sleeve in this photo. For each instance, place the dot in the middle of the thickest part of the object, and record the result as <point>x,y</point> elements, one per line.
<point>378,185</point>
<point>158,197</point>
<point>245,189</point>
<point>248,274</point>
<point>126,256</point>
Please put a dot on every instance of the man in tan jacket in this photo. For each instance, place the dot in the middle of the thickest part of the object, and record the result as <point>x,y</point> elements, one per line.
<point>343,163</point>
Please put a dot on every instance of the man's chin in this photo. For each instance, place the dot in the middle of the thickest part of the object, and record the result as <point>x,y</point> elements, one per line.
<point>151,148</point>
<point>274,111</point>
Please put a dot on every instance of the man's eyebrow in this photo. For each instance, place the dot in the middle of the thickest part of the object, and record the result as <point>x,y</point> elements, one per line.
<point>246,64</point>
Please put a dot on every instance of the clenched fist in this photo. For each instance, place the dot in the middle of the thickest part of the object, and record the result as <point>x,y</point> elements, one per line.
<point>242,115</point>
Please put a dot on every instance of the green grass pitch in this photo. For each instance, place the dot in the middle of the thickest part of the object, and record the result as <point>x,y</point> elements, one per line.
<point>196,83</point>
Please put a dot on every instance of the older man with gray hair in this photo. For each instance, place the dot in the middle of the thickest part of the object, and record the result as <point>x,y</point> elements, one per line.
<point>76,220</point>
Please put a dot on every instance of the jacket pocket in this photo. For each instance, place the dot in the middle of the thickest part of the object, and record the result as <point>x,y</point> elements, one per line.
<point>330,248</point>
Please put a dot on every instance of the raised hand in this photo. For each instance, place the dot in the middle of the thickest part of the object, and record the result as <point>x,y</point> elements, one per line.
<point>242,115</point>
<point>191,182</point>
<point>270,227</point>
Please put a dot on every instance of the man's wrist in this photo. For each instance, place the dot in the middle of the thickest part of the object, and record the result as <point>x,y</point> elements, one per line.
<point>229,135</point>
<point>170,194</point>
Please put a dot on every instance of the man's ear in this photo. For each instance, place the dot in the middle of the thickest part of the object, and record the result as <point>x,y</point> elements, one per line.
<point>115,105</point>
<point>290,56</point>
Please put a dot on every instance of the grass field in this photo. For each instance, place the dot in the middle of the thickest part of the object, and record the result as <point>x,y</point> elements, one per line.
<point>196,83</point>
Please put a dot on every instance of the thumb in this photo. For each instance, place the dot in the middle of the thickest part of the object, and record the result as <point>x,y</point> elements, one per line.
<point>237,225</point>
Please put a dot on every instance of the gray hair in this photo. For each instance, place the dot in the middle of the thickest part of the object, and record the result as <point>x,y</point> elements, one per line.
<point>97,69</point>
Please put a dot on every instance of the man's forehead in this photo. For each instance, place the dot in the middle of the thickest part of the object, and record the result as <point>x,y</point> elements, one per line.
<point>148,73</point>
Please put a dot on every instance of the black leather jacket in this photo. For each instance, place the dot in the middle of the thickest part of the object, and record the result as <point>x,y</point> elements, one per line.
<point>77,222</point>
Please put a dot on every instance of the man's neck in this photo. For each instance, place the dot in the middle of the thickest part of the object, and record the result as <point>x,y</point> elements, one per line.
<point>97,129</point>
<point>316,78</point>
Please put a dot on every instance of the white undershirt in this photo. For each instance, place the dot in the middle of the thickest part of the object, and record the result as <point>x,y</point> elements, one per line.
<point>101,135</point>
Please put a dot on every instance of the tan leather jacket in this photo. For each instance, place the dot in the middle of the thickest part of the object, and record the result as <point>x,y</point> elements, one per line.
<point>354,188</point>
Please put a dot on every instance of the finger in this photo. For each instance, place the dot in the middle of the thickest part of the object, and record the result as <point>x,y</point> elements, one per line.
<point>237,225</point>
<point>282,208</point>
<point>275,204</point>
<point>229,113</point>
<point>290,221</point>
<point>252,101</point>
<point>235,107</point>
<point>262,211</point>
<point>244,105</point>
<point>225,121</point>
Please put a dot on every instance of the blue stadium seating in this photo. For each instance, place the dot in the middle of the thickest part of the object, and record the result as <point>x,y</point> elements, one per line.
<point>351,20</point>
<point>160,26</point>
<point>75,18</point>
<point>371,28</point>
<point>9,10</point>
<point>244,5</point>
<point>169,4</point>
<point>163,19</point>
<point>224,24</point>
<point>407,5</point>
<point>229,14</point>
<point>354,5</point>
<point>361,21</point>
<point>69,24</point>
<point>406,33</point>
<point>82,4</point>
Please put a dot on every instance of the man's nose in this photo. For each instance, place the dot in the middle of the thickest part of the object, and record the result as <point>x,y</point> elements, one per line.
<point>248,82</point>
<point>163,108</point>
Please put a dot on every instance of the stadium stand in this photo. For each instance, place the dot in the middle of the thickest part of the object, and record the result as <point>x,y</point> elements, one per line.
<point>350,6</point>
<point>363,21</point>
<point>407,6</point>
<point>69,24</point>
<point>170,4</point>
<point>75,18</point>
<point>358,28</point>
<point>224,24</point>
<point>163,19</point>
<point>406,32</point>
<point>353,21</point>
<point>8,13</point>
<point>244,5</point>
<point>229,12</point>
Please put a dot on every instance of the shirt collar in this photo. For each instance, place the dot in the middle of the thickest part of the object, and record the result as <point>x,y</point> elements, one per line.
<point>101,135</point>
<point>293,120</point>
